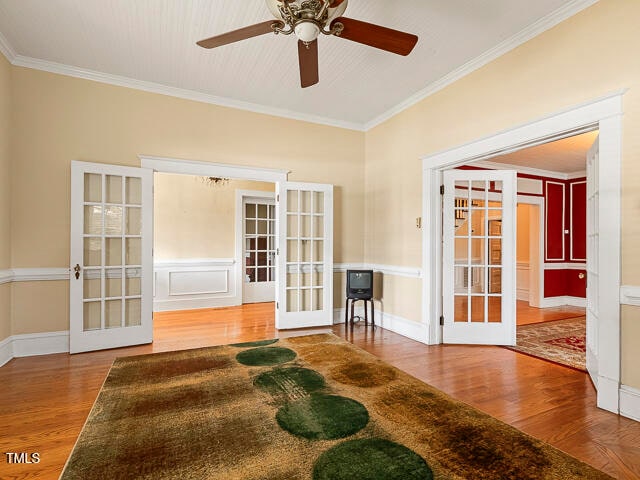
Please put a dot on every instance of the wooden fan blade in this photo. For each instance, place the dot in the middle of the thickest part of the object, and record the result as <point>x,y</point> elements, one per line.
<point>308,58</point>
<point>376,36</point>
<point>240,34</point>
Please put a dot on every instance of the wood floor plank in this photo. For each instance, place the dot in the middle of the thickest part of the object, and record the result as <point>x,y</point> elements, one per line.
<point>45,400</point>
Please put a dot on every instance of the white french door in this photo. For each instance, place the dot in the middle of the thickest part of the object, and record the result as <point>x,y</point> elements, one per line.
<point>259,249</point>
<point>479,268</point>
<point>111,256</point>
<point>593,241</point>
<point>305,259</point>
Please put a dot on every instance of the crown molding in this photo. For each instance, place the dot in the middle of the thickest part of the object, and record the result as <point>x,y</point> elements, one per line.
<point>6,49</point>
<point>533,30</point>
<point>545,23</point>
<point>121,81</point>
<point>538,172</point>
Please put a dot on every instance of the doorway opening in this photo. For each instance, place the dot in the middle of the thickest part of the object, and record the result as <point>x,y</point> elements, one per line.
<point>210,248</point>
<point>551,247</point>
<point>604,115</point>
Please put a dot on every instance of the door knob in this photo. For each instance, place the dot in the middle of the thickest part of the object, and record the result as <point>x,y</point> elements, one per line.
<point>581,275</point>
<point>77,270</point>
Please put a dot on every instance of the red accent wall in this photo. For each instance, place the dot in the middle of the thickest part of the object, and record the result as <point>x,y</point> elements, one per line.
<point>555,225</point>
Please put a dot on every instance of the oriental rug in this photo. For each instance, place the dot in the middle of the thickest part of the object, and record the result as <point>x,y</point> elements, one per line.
<point>313,407</point>
<point>559,341</point>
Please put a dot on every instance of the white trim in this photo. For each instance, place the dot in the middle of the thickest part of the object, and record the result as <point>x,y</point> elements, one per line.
<point>407,328</point>
<point>630,402</point>
<point>531,31</point>
<point>565,266</point>
<point>408,272</point>
<point>538,172</point>
<point>630,295</point>
<point>152,87</point>
<point>552,127</point>
<point>561,301</point>
<point>6,49</point>
<point>31,344</point>
<point>571,257</point>
<point>546,219</point>
<point>40,274</point>
<point>604,114</point>
<point>194,262</point>
<point>6,276</point>
<point>6,350</point>
<point>198,167</point>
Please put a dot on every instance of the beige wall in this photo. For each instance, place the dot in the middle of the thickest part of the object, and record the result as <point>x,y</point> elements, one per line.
<point>586,57</point>
<point>5,195</point>
<point>194,219</point>
<point>59,119</point>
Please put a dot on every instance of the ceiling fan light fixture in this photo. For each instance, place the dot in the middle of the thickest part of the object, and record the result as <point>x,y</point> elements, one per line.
<point>307,31</point>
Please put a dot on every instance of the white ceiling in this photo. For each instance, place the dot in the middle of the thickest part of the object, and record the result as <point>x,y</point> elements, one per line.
<point>154,41</point>
<point>566,156</point>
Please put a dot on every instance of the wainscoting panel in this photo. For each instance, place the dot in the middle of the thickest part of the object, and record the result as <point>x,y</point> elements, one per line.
<point>194,283</point>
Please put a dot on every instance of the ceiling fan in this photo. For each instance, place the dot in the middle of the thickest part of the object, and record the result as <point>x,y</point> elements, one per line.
<point>307,19</point>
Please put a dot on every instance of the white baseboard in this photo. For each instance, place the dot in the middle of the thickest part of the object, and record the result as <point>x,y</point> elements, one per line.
<point>561,301</point>
<point>407,328</point>
<point>30,344</point>
<point>522,294</point>
<point>608,394</point>
<point>6,350</point>
<point>630,402</point>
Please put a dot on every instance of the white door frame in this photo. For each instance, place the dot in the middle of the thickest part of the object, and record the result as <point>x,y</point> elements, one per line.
<point>239,267</point>
<point>604,114</point>
<point>207,169</point>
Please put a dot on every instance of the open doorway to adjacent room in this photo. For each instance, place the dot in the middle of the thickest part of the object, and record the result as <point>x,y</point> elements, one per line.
<point>551,246</point>
<point>214,242</point>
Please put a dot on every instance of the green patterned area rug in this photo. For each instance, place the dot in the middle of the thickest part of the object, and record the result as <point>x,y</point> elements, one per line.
<point>311,407</point>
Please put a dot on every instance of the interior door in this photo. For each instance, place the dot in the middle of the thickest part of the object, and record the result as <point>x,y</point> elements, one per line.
<point>593,242</point>
<point>479,268</point>
<point>305,260</point>
<point>259,249</point>
<point>111,293</point>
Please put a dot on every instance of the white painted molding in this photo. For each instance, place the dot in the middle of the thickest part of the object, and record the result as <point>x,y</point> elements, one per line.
<point>40,274</point>
<point>409,272</point>
<point>533,30</point>
<point>530,170</point>
<point>6,350</point>
<point>630,295</point>
<point>31,344</point>
<point>565,266</point>
<point>630,402</point>
<point>407,328</point>
<point>563,124</point>
<point>6,276</point>
<point>198,167</point>
<point>6,49</point>
<point>548,302</point>
<point>152,87</point>
<point>194,262</point>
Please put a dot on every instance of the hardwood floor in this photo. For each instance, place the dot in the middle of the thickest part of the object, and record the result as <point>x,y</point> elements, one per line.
<point>45,400</point>
<point>526,315</point>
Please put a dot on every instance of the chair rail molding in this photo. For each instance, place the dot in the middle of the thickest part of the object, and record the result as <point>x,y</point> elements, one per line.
<point>630,295</point>
<point>409,272</point>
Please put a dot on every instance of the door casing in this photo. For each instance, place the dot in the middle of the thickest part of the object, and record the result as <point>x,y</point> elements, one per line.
<point>604,114</point>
